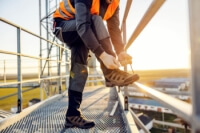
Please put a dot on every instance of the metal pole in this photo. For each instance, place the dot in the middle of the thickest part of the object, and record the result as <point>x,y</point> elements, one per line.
<point>40,35</point>
<point>125,69</point>
<point>194,9</point>
<point>39,77</point>
<point>40,64</point>
<point>67,70</point>
<point>153,9</point>
<point>126,12</point>
<point>19,72</point>
<point>48,48</point>
<point>47,35</point>
<point>59,72</point>
<point>4,76</point>
<point>163,118</point>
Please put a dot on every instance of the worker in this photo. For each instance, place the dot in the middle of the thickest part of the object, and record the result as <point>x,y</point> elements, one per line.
<point>79,24</point>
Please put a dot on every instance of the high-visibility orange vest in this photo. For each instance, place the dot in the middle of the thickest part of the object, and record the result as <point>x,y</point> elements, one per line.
<point>66,10</point>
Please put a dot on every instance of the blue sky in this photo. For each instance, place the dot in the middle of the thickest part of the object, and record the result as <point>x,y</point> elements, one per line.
<point>164,43</point>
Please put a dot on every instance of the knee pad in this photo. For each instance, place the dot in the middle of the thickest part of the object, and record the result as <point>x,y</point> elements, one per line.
<point>78,77</point>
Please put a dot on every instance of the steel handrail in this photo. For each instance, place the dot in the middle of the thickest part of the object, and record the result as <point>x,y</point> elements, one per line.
<point>156,4</point>
<point>47,78</point>
<point>127,9</point>
<point>20,81</point>
<point>187,111</point>
<point>23,29</point>
<point>29,56</point>
<point>154,7</point>
<point>179,107</point>
<point>34,80</point>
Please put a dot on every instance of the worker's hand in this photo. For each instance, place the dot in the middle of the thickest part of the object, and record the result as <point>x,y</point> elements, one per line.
<point>109,61</point>
<point>124,58</point>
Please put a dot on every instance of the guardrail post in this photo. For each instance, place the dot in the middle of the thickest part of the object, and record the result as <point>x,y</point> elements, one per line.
<point>125,69</point>
<point>66,69</point>
<point>59,70</point>
<point>4,75</point>
<point>40,61</point>
<point>19,72</point>
<point>47,35</point>
<point>194,9</point>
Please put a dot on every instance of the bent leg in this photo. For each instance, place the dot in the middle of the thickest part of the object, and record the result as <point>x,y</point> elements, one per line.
<point>103,37</point>
<point>102,34</point>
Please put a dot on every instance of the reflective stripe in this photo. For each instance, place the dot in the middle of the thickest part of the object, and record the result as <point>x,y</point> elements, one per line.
<point>63,14</point>
<point>62,7</point>
<point>71,7</point>
<point>67,6</point>
<point>67,11</point>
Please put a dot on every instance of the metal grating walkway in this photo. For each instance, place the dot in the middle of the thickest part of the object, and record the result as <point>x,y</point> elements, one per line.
<point>97,105</point>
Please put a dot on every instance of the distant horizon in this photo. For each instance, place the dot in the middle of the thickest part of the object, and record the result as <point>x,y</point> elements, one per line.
<point>144,70</point>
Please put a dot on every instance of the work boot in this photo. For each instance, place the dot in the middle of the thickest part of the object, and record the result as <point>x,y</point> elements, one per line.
<point>120,78</point>
<point>74,117</point>
<point>78,121</point>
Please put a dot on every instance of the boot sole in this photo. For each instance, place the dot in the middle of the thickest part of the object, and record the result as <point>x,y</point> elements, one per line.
<point>69,125</point>
<point>134,78</point>
<point>85,127</point>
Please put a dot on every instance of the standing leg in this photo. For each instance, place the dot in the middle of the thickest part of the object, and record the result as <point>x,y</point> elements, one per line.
<point>78,75</point>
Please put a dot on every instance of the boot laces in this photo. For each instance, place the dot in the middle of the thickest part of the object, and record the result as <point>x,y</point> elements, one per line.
<point>121,73</point>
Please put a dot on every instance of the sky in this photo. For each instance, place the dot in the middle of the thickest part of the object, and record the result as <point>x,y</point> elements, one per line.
<point>163,44</point>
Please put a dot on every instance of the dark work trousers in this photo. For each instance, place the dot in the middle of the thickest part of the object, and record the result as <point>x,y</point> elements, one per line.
<point>79,55</point>
<point>79,51</point>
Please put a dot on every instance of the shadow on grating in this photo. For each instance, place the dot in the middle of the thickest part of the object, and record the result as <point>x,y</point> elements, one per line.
<point>97,105</point>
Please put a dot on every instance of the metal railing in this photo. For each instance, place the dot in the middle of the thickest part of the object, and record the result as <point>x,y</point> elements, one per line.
<point>19,55</point>
<point>188,112</point>
<point>153,8</point>
<point>39,79</point>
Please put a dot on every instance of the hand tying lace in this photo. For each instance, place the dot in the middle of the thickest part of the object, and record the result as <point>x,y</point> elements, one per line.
<point>124,58</point>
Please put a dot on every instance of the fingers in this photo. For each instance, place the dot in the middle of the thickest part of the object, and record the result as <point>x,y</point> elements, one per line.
<point>116,62</point>
<point>124,59</point>
<point>113,66</point>
<point>125,62</point>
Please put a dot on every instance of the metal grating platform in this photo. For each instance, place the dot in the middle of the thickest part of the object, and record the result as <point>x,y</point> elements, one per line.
<point>97,105</point>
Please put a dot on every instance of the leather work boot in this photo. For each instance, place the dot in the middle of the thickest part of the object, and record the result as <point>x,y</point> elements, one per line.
<point>74,117</point>
<point>120,78</point>
<point>78,121</point>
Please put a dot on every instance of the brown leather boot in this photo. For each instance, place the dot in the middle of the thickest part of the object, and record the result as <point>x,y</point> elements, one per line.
<point>118,77</point>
